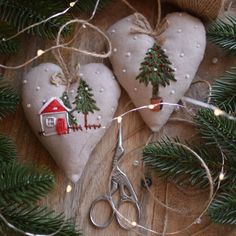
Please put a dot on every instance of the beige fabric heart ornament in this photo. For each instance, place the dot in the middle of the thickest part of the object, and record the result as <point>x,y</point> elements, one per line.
<point>70,146</point>
<point>184,44</point>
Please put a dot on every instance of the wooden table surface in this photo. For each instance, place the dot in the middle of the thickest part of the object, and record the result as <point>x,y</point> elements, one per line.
<point>94,180</point>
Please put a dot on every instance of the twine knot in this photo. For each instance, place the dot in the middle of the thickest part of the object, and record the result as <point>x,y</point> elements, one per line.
<point>142,26</point>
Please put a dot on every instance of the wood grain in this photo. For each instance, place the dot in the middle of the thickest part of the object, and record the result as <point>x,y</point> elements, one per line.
<point>94,180</point>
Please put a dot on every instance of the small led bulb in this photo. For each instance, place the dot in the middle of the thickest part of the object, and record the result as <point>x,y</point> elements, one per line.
<point>68,188</point>
<point>72,4</point>
<point>119,119</point>
<point>151,106</point>
<point>218,112</point>
<point>40,52</point>
<point>221,176</point>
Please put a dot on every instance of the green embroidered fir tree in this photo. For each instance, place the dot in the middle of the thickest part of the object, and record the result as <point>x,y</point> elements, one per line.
<point>84,102</point>
<point>156,69</point>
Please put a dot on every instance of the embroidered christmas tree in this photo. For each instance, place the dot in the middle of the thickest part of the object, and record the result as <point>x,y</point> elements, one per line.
<point>156,69</point>
<point>84,102</point>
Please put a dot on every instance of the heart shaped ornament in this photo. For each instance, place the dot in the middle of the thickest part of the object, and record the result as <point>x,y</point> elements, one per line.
<point>70,136</point>
<point>184,44</point>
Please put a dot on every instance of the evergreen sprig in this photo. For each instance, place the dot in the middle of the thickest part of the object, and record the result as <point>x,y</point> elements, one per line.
<point>8,99</point>
<point>23,184</point>
<point>9,46</point>
<point>38,220</point>
<point>224,91</point>
<point>172,161</point>
<point>223,208</point>
<point>217,130</point>
<point>7,150</point>
<point>223,34</point>
<point>20,14</point>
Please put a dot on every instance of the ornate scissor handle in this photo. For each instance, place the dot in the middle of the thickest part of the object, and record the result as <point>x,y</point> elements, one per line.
<point>91,212</point>
<point>125,223</point>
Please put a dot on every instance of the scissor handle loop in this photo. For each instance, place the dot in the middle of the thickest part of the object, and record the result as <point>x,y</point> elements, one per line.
<point>91,212</point>
<point>124,223</point>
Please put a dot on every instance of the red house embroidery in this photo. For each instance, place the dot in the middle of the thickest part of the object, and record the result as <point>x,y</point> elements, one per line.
<point>54,117</point>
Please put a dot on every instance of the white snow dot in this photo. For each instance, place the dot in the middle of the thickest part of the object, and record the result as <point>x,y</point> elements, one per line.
<point>113,31</point>
<point>181,54</point>
<point>179,30</point>
<point>101,90</point>
<point>164,50</point>
<point>72,91</point>
<point>115,50</point>
<point>81,74</point>
<point>46,69</point>
<point>99,117</point>
<point>155,69</point>
<point>128,54</point>
<point>37,88</point>
<point>180,14</point>
<point>135,89</point>
<point>174,69</point>
<point>124,70</point>
<point>86,88</point>
<point>97,72</point>
<point>84,26</point>
<point>136,163</point>
<point>187,76</point>
<point>24,81</point>
<point>172,92</point>
<point>198,45</point>
<point>214,60</point>
<point>28,105</point>
<point>44,101</point>
<point>135,37</point>
<point>195,26</point>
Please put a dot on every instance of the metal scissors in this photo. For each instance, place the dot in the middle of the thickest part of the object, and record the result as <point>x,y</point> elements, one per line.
<point>121,183</point>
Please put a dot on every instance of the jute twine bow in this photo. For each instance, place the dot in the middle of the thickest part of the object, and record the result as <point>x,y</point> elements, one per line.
<point>67,77</point>
<point>142,25</point>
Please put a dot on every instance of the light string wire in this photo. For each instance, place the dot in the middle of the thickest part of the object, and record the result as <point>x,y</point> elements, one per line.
<point>65,45</point>
<point>216,110</point>
<point>211,197</point>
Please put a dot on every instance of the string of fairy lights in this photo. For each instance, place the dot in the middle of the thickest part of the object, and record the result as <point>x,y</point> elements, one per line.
<point>217,112</point>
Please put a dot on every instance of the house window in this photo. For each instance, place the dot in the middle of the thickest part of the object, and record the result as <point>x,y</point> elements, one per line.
<point>50,122</point>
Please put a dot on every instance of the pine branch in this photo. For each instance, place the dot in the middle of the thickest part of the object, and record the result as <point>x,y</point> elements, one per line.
<point>223,92</point>
<point>217,130</point>
<point>223,209</point>
<point>84,101</point>
<point>8,99</point>
<point>223,34</point>
<point>156,68</point>
<point>38,220</point>
<point>174,162</point>
<point>7,150</point>
<point>22,13</point>
<point>10,46</point>
<point>23,184</point>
